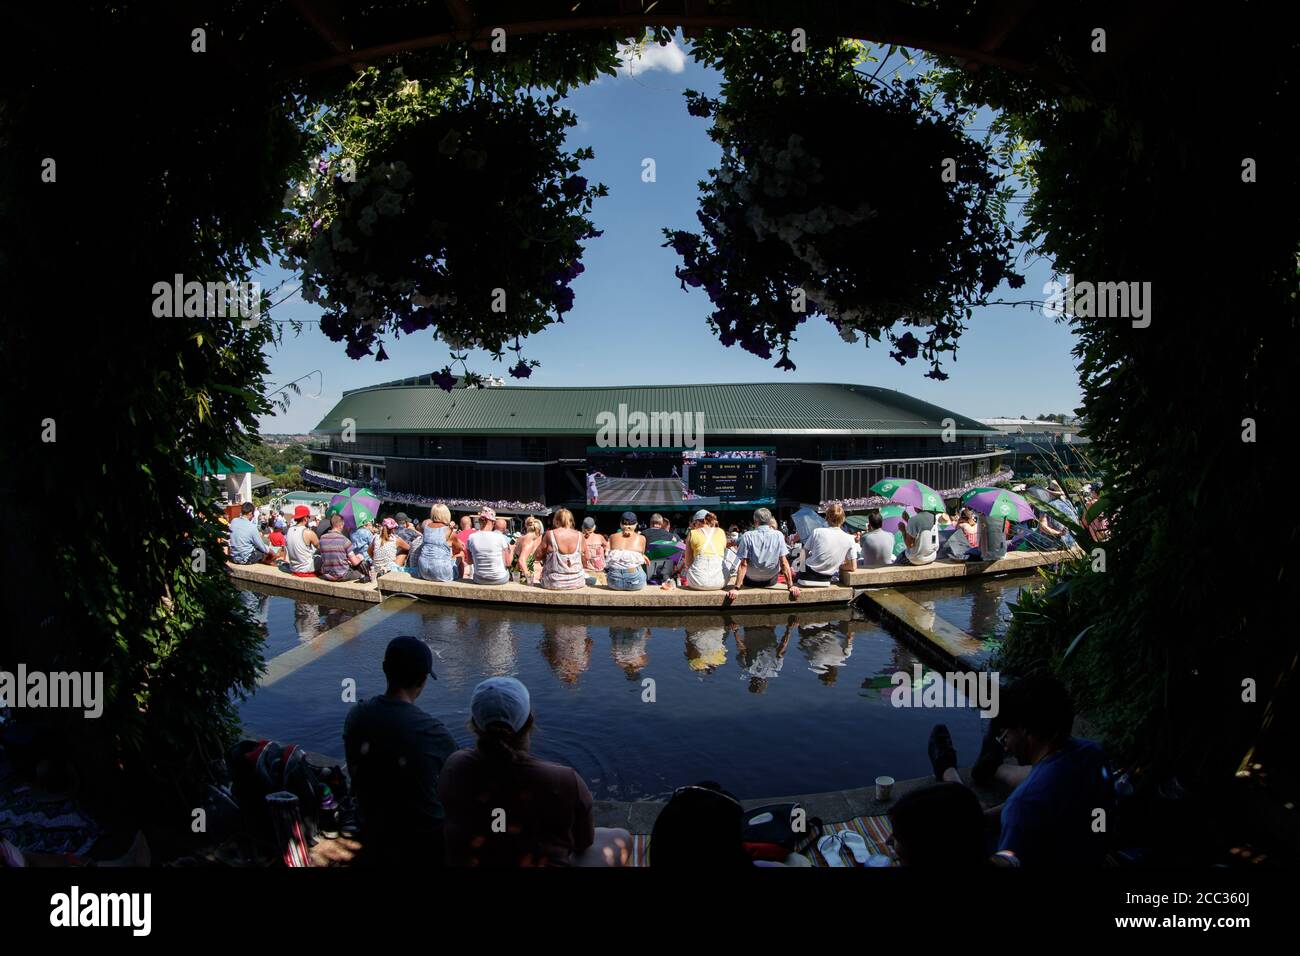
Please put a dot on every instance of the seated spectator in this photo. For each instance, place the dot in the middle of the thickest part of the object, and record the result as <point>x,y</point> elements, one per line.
<point>337,562</point>
<point>705,544</point>
<point>921,536</point>
<point>385,547</point>
<point>395,753</point>
<point>1097,523</point>
<point>361,540</point>
<point>530,571</point>
<point>992,540</point>
<point>625,562</point>
<point>830,550</point>
<point>466,528</point>
<point>701,827</point>
<point>323,525</point>
<point>300,545</point>
<point>246,544</point>
<point>968,526</point>
<point>436,558</point>
<point>560,554</point>
<point>594,546</point>
<point>506,808</point>
<point>730,558</point>
<point>488,551</point>
<point>659,530</point>
<point>763,557</point>
<point>877,543</point>
<point>940,827</point>
<point>408,532</point>
<point>1059,780</point>
<point>276,537</point>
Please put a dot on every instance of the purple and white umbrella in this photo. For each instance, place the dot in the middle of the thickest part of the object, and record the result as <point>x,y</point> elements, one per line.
<point>356,505</point>
<point>998,503</point>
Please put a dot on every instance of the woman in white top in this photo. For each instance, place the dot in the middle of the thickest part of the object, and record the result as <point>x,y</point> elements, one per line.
<point>704,547</point>
<point>625,563</point>
<point>385,546</point>
<point>562,569</point>
<point>831,550</point>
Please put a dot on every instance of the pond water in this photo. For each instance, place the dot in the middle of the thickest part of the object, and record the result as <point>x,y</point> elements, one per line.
<point>766,704</point>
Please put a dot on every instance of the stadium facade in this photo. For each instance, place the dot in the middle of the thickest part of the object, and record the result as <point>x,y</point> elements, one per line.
<point>535,445</point>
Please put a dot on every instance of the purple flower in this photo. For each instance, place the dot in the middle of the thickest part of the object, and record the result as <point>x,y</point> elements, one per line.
<point>563,299</point>
<point>521,370</point>
<point>573,186</point>
<point>785,363</point>
<point>420,319</point>
<point>1015,281</point>
<point>316,225</point>
<point>444,379</point>
<point>381,355</point>
<point>357,349</point>
<point>908,345</point>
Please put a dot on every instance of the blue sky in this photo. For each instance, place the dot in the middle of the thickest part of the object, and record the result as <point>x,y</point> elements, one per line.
<point>633,324</point>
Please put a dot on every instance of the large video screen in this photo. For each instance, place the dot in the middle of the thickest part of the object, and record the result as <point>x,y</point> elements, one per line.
<point>680,478</point>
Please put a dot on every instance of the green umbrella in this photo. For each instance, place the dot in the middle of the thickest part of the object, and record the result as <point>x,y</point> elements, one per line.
<point>907,491</point>
<point>358,506</point>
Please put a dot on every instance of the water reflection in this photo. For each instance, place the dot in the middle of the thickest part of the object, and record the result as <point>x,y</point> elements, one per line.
<point>770,703</point>
<point>630,648</point>
<point>567,648</point>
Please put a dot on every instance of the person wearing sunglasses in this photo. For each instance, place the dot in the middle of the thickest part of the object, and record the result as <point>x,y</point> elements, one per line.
<point>1061,785</point>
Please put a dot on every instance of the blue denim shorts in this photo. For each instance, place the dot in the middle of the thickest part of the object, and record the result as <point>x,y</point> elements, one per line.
<point>621,579</point>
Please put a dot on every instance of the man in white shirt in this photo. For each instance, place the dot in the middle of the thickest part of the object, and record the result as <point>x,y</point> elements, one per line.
<point>831,550</point>
<point>921,535</point>
<point>489,551</point>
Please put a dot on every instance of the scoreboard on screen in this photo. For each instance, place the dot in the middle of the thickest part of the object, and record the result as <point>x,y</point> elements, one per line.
<point>741,475</point>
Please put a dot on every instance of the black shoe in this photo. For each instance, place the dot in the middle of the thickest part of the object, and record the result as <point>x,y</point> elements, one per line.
<point>990,758</point>
<point>942,753</point>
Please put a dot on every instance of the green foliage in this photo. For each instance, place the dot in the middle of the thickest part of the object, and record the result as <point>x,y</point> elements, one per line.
<point>1137,169</point>
<point>175,163</point>
<point>835,188</point>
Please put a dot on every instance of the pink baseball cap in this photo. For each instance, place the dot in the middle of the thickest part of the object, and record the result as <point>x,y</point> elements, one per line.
<point>389,523</point>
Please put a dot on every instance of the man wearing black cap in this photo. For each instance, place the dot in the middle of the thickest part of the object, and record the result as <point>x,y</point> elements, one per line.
<point>395,752</point>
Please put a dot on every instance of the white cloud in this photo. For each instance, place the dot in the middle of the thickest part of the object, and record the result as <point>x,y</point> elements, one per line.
<point>653,57</point>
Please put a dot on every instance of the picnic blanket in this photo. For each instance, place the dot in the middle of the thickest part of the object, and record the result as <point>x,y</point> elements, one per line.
<point>875,829</point>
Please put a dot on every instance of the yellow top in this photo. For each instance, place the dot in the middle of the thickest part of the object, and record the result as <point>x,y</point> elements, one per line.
<point>708,541</point>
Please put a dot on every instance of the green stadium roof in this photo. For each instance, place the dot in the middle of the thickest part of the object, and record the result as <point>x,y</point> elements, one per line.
<point>761,408</point>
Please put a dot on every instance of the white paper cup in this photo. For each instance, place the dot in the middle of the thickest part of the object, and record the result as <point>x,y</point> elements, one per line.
<point>884,788</point>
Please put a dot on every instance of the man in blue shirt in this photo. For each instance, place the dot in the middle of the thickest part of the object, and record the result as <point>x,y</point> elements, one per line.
<point>1058,812</point>
<point>246,544</point>
<point>763,554</point>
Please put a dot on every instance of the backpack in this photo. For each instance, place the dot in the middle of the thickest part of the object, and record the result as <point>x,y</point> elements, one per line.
<point>261,767</point>
<point>770,834</point>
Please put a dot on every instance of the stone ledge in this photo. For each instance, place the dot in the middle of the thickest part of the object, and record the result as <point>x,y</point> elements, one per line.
<point>266,574</point>
<point>915,573</point>
<point>605,598</point>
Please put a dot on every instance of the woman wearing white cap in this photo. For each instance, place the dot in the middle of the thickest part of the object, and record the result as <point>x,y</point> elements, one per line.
<point>704,551</point>
<point>506,808</point>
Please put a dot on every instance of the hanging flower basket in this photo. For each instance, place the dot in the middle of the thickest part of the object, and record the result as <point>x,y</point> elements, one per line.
<point>841,198</point>
<point>440,210</point>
